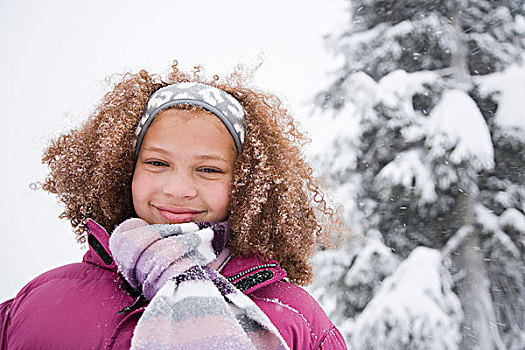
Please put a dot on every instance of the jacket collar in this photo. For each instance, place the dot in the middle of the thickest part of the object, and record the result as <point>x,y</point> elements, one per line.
<point>252,273</point>
<point>98,240</point>
<point>247,274</point>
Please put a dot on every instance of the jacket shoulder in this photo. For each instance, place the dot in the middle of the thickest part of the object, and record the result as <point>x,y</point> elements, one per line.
<point>64,274</point>
<point>298,316</point>
<point>55,309</point>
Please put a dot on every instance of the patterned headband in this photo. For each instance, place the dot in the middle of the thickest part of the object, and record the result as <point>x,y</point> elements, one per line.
<point>210,98</point>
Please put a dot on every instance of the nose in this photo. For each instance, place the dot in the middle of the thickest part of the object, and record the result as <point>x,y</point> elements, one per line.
<point>179,185</point>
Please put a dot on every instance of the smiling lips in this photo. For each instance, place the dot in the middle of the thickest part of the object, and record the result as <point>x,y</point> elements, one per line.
<point>178,215</point>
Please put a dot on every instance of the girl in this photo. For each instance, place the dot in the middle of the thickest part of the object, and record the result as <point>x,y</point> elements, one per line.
<point>214,216</point>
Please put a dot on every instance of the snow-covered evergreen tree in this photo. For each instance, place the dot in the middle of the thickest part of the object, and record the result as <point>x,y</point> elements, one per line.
<point>414,308</point>
<point>438,156</point>
<point>358,270</point>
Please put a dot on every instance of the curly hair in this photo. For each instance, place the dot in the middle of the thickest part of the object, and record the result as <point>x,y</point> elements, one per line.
<point>278,209</point>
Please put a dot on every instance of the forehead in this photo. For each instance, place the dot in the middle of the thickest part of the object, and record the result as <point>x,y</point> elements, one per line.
<point>176,125</point>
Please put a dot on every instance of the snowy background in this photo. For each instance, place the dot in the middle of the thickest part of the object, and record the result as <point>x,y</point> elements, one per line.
<point>56,55</point>
<point>431,173</point>
<point>415,109</point>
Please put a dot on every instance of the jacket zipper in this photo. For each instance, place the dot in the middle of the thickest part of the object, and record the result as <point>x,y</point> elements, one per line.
<point>133,306</point>
<point>244,273</point>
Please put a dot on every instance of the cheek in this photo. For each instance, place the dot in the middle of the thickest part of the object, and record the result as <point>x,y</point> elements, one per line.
<point>217,197</point>
<point>139,189</point>
<point>226,195</point>
<point>222,196</point>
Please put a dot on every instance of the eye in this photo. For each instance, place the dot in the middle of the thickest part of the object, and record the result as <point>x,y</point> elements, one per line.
<point>210,170</point>
<point>156,163</point>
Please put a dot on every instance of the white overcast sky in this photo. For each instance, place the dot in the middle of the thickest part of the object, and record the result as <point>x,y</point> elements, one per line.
<point>54,58</point>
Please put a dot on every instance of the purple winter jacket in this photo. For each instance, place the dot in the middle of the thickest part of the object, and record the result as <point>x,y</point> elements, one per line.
<point>87,305</point>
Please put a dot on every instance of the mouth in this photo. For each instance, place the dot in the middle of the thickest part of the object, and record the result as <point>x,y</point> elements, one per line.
<point>178,215</point>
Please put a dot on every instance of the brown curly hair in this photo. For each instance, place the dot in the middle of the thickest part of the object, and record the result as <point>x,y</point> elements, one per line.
<point>278,209</point>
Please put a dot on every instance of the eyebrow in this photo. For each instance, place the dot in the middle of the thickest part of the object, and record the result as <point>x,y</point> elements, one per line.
<point>205,156</point>
<point>155,149</point>
<point>211,156</point>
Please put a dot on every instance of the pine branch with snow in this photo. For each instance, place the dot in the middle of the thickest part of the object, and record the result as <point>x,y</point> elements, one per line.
<point>435,154</point>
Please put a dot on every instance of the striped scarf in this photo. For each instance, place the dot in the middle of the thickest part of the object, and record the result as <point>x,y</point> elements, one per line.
<point>192,306</point>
